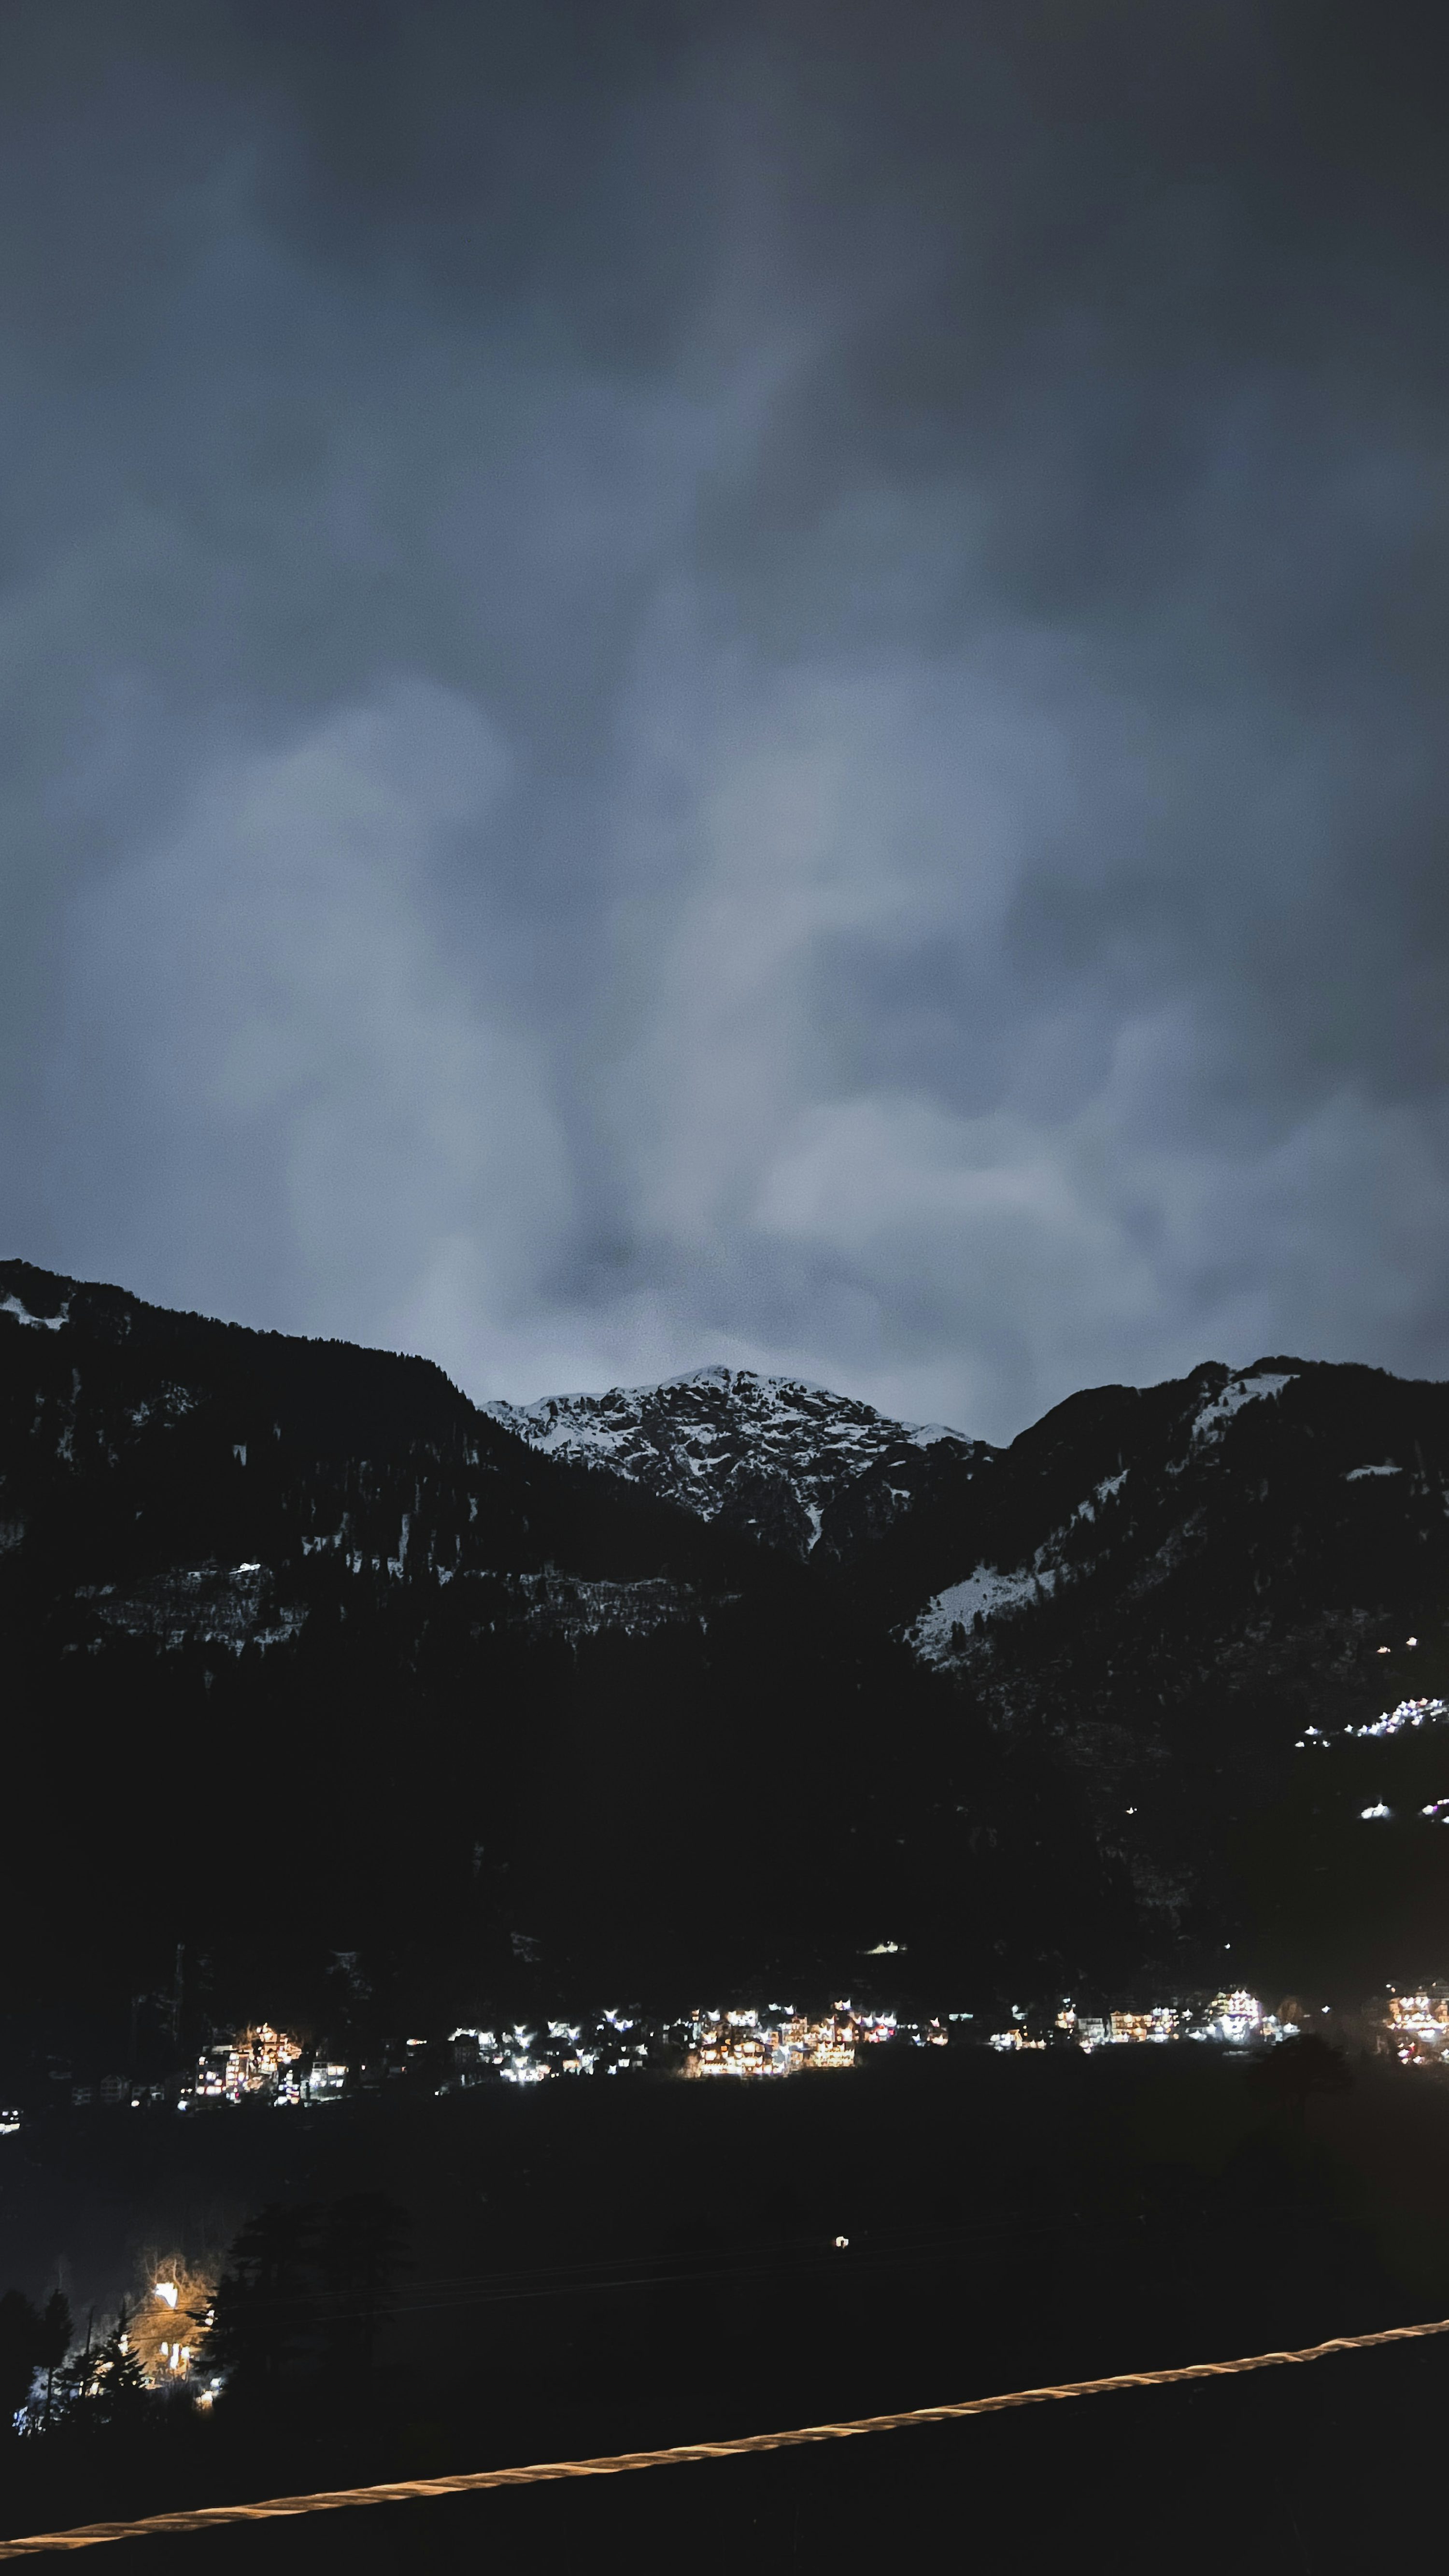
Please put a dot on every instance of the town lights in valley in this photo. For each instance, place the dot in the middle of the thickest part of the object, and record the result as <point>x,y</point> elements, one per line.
<point>741,2040</point>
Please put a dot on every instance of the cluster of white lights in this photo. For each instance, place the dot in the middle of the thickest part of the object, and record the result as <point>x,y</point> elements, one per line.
<point>1410,1712</point>
<point>742,2041</point>
<point>1393,1721</point>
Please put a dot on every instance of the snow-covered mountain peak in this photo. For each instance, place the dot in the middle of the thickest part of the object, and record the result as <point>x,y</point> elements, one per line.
<point>771,1455</point>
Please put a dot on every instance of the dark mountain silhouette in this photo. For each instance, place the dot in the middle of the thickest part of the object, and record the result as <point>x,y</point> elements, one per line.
<point>309,1655</point>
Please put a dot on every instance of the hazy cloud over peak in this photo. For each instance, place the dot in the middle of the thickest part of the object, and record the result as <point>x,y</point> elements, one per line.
<point>687,683</point>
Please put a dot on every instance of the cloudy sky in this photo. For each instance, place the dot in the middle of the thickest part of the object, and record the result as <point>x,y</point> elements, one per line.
<point>720,681</point>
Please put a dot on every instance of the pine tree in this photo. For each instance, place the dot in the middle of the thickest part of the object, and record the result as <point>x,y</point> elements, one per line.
<point>56,2330</point>
<point>76,2383</point>
<point>265,2302</point>
<point>120,2381</point>
<point>20,2338</point>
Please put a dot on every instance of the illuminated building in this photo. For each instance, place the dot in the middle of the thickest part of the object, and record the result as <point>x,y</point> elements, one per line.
<point>731,2044</point>
<point>1159,2022</point>
<point>1236,2017</point>
<point>1418,2026</point>
<point>475,2052</point>
<point>211,2069</point>
<point>261,2054</point>
<point>168,2330</point>
<point>258,2060</point>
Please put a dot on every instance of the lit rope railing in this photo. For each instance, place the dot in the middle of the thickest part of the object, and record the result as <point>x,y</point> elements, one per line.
<point>411,2490</point>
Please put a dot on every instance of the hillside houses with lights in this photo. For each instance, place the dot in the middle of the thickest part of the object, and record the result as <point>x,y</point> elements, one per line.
<point>780,2041</point>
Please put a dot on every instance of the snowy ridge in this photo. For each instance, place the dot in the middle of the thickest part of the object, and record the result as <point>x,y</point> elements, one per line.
<point>765,1454</point>
<point>1233,1473</point>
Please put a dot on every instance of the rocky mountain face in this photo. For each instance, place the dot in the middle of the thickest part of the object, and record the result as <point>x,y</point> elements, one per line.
<point>789,1464</point>
<point>308,1655</point>
<point>1221,1496</point>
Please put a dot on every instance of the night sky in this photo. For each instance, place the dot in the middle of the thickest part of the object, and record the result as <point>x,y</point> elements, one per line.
<point>727,682</point>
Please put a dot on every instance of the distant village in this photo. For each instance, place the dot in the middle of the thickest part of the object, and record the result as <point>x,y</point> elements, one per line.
<point>262,2065</point>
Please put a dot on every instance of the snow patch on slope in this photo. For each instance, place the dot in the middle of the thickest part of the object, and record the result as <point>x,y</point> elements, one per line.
<point>986,1590</point>
<point>23,1315</point>
<point>1239,1391</point>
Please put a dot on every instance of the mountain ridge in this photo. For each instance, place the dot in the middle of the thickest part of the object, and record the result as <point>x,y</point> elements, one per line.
<point>777,1457</point>
<point>1038,1713</point>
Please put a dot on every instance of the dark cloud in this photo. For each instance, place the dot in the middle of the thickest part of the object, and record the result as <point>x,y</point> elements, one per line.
<point>692,682</point>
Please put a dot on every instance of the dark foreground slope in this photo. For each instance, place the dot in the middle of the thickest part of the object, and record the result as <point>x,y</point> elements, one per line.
<point>598,2269</point>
